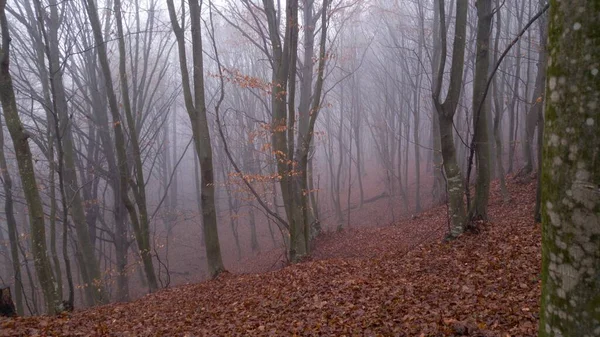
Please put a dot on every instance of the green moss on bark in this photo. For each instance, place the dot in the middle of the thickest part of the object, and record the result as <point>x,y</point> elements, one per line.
<point>571,173</point>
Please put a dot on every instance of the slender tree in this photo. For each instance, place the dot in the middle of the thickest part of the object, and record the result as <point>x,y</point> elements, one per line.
<point>447,109</point>
<point>138,223</point>
<point>26,171</point>
<point>196,107</point>
<point>481,110</point>
<point>59,111</point>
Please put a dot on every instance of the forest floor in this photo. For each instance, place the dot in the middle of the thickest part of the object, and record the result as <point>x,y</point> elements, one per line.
<point>398,280</point>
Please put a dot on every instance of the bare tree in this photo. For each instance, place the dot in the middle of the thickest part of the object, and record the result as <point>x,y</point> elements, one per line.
<point>28,179</point>
<point>481,110</point>
<point>447,109</point>
<point>139,223</point>
<point>196,108</point>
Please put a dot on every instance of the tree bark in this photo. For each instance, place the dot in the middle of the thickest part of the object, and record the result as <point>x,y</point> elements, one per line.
<point>446,111</point>
<point>481,110</point>
<point>119,140</point>
<point>196,108</point>
<point>514,106</point>
<point>535,115</point>
<point>142,230</point>
<point>90,268</point>
<point>7,307</point>
<point>571,174</point>
<point>26,171</point>
<point>11,223</point>
<point>499,108</point>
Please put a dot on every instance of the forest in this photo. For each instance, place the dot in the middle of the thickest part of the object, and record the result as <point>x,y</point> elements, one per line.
<point>300,168</point>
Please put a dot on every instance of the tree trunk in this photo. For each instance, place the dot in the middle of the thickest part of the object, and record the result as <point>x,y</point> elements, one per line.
<point>446,111</point>
<point>11,223</point>
<point>571,174</point>
<point>120,146</point>
<point>514,106</point>
<point>196,108</point>
<point>537,214</point>
<point>416,110</point>
<point>26,171</point>
<point>121,232</point>
<point>90,268</point>
<point>481,109</point>
<point>534,117</point>
<point>7,307</point>
<point>50,133</point>
<point>499,108</point>
<point>138,188</point>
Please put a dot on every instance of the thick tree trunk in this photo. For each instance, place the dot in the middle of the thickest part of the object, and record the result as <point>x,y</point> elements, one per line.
<point>571,175</point>
<point>282,122</point>
<point>11,223</point>
<point>7,307</point>
<point>50,155</point>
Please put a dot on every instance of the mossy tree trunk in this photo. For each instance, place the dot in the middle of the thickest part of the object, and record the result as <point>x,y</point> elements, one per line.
<point>439,185</point>
<point>11,222</point>
<point>26,171</point>
<point>447,109</point>
<point>64,137</point>
<point>570,304</point>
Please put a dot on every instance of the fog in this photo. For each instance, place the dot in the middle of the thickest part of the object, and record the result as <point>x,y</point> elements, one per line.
<point>286,130</point>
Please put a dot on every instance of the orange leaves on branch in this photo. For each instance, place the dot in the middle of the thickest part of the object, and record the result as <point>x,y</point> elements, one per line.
<point>244,81</point>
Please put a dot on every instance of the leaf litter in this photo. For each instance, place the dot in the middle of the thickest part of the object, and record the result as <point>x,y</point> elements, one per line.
<point>398,280</point>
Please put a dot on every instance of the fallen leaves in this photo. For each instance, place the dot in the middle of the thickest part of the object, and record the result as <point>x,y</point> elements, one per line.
<point>390,281</point>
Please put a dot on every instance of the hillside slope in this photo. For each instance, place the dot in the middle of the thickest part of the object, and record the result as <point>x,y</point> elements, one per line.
<point>398,280</point>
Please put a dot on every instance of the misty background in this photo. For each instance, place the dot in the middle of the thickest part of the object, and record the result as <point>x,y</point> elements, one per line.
<point>374,156</point>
